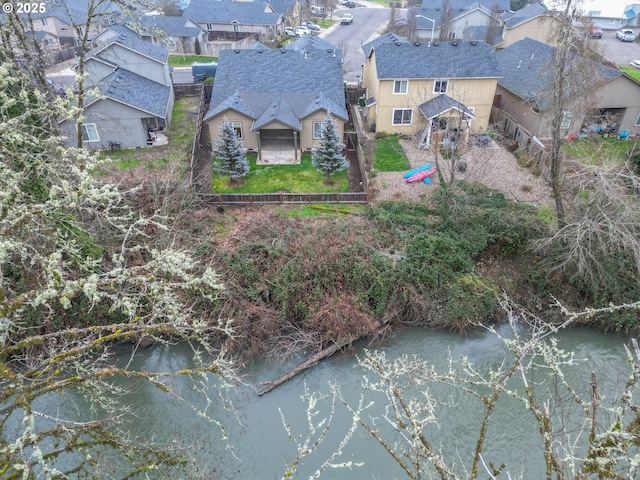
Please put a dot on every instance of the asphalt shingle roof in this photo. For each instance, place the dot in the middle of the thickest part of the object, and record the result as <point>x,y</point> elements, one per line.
<point>503,5</point>
<point>172,26</point>
<point>228,11</point>
<point>440,60</point>
<point>386,38</point>
<point>511,19</point>
<point>441,104</point>
<point>128,38</point>
<point>527,68</point>
<point>74,11</point>
<point>137,91</point>
<point>285,84</point>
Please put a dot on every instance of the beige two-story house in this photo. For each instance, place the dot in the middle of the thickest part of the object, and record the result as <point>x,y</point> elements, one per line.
<point>424,89</point>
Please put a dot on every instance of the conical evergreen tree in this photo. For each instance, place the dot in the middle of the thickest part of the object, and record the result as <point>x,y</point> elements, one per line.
<point>327,157</point>
<point>229,159</point>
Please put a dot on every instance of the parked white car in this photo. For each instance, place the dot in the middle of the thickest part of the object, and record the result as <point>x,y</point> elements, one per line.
<point>625,35</point>
<point>311,26</point>
<point>290,31</point>
<point>300,31</point>
<point>635,63</point>
<point>346,19</point>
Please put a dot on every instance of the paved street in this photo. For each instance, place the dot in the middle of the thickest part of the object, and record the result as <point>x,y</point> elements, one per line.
<point>620,53</point>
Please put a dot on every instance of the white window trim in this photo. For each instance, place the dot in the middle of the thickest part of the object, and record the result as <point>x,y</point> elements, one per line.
<point>535,109</point>
<point>393,116</point>
<point>406,87</point>
<point>637,124</point>
<point>435,82</point>
<point>45,22</point>
<point>85,130</point>
<point>317,137</point>
<point>237,126</point>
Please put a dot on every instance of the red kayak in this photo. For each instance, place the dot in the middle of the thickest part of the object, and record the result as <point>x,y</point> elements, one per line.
<point>416,177</point>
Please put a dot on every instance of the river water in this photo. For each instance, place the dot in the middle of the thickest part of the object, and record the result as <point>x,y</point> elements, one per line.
<point>258,447</point>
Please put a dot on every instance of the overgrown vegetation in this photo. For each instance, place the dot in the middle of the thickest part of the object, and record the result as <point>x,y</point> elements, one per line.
<point>188,60</point>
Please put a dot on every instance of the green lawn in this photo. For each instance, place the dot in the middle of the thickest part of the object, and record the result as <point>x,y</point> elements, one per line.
<point>301,178</point>
<point>389,155</point>
<point>633,72</point>
<point>596,150</point>
<point>188,60</point>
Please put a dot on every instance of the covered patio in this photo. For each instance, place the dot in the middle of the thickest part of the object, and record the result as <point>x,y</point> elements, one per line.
<point>447,123</point>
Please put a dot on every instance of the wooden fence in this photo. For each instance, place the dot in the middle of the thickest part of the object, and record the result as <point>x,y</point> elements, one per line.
<point>195,148</point>
<point>187,89</point>
<point>282,198</point>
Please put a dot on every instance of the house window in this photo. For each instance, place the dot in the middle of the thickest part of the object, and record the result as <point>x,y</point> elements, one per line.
<point>400,86</point>
<point>402,116</point>
<point>237,127</point>
<point>637,124</point>
<point>535,109</point>
<point>45,22</point>
<point>440,85</point>
<point>317,130</point>
<point>90,133</point>
<point>452,35</point>
<point>209,26</point>
<point>566,120</point>
<point>235,27</point>
<point>48,41</point>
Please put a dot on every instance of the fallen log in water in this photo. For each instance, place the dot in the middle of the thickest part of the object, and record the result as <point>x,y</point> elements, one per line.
<point>310,362</point>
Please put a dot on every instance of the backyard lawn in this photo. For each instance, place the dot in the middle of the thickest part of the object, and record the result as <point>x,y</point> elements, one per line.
<point>302,178</point>
<point>389,155</point>
<point>188,60</point>
<point>596,150</point>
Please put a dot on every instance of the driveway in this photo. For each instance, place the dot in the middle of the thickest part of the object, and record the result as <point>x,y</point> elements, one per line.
<point>369,21</point>
<point>620,53</point>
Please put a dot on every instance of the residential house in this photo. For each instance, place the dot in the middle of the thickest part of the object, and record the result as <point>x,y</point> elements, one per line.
<point>428,89</point>
<point>178,34</point>
<point>448,22</point>
<point>292,10</point>
<point>524,92</point>
<point>58,26</point>
<point>609,15</point>
<point>136,94</point>
<point>533,21</point>
<point>228,23</point>
<point>278,99</point>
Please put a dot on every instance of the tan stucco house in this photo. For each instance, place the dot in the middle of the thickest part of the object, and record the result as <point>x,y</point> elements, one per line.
<point>278,97</point>
<point>422,88</point>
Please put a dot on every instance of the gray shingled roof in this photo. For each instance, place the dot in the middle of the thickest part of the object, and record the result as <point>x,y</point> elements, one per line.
<point>282,6</point>
<point>128,38</point>
<point>511,19</point>
<point>172,26</point>
<point>479,33</point>
<point>386,38</point>
<point>287,84</point>
<point>76,8</point>
<point>440,60</point>
<point>311,41</point>
<point>137,91</point>
<point>527,68</point>
<point>441,104</point>
<point>503,5</point>
<point>228,11</point>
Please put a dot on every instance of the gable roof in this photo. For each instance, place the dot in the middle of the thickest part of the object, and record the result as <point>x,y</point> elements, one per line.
<point>172,26</point>
<point>283,6</point>
<point>228,11</point>
<point>74,12</point>
<point>386,38</point>
<point>136,91</point>
<point>511,19</point>
<point>442,104</point>
<point>503,5</point>
<point>438,60</point>
<point>480,33</point>
<point>128,38</point>
<point>251,82</point>
<point>528,73</point>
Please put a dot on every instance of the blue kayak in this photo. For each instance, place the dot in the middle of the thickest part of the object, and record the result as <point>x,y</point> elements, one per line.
<point>416,170</point>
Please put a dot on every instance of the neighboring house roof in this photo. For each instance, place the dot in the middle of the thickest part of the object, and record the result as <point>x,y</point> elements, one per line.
<point>253,82</point>
<point>436,13</point>
<point>136,91</point>
<point>228,11</point>
<point>527,68</point>
<point>386,38</point>
<point>438,60</point>
<point>511,19</point>
<point>603,8</point>
<point>311,41</point>
<point>74,12</point>
<point>481,32</point>
<point>172,26</point>
<point>128,38</point>
<point>283,6</point>
<point>503,5</point>
<point>442,104</point>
